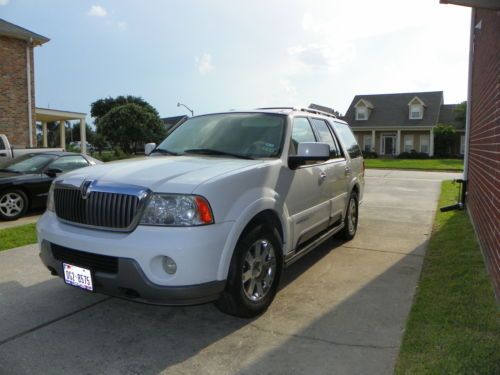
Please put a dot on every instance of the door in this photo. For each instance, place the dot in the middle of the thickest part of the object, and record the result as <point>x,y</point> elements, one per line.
<point>336,185</point>
<point>307,205</point>
<point>388,143</point>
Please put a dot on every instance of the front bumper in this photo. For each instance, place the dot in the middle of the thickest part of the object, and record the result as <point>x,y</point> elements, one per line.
<point>130,282</point>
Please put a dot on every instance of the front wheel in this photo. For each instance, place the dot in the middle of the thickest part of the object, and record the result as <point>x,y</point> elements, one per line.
<point>13,204</point>
<point>351,218</point>
<point>254,273</point>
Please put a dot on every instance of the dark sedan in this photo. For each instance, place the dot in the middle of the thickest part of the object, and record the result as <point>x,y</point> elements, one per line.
<point>25,181</point>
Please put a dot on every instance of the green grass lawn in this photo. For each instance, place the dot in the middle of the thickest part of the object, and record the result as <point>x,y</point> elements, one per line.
<point>424,164</point>
<point>17,236</point>
<point>454,324</point>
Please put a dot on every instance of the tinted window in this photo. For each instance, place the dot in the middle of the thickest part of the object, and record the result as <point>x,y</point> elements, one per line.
<point>325,136</point>
<point>301,132</point>
<point>347,137</point>
<point>2,146</point>
<point>68,163</point>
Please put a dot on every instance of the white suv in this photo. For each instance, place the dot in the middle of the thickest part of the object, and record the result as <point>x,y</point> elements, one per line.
<point>214,213</point>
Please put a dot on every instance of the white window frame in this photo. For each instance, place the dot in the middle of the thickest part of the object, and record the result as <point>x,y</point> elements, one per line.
<point>416,108</point>
<point>428,143</point>
<point>365,137</point>
<point>406,138</point>
<point>363,111</point>
<point>462,144</point>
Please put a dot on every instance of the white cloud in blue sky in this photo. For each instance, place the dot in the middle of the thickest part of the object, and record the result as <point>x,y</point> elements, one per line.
<point>97,11</point>
<point>243,54</point>
<point>3,2</point>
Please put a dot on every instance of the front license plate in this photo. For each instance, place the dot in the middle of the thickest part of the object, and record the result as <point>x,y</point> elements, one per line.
<point>78,276</point>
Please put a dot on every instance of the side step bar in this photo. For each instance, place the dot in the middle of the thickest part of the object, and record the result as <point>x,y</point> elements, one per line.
<point>295,255</point>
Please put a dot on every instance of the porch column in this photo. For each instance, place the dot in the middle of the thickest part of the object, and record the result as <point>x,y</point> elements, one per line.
<point>431,142</point>
<point>374,147</point>
<point>83,136</point>
<point>62,134</point>
<point>398,142</point>
<point>44,134</point>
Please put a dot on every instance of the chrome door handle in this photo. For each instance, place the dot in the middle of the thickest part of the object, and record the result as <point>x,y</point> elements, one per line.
<point>322,176</point>
<point>347,171</point>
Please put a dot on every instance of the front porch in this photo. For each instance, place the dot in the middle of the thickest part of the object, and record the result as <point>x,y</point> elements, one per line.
<point>45,115</point>
<point>393,141</point>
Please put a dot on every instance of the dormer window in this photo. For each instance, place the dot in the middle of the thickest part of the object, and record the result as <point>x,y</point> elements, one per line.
<point>416,109</point>
<point>363,109</point>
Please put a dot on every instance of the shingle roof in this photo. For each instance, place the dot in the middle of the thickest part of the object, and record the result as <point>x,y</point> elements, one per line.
<point>391,110</point>
<point>447,115</point>
<point>14,31</point>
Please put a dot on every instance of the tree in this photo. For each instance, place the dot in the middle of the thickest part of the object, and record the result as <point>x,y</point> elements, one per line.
<point>461,114</point>
<point>444,138</point>
<point>130,125</point>
<point>102,106</point>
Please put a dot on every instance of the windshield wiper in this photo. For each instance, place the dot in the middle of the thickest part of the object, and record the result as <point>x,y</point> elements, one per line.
<point>10,170</point>
<point>209,151</point>
<point>163,151</point>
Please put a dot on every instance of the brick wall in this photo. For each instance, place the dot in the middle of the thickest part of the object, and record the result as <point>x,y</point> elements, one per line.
<point>484,158</point>
<point>14,91</point>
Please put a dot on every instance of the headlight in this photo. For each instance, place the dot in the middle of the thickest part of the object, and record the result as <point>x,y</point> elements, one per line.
<point>50,199</point>
<point>177,210</point>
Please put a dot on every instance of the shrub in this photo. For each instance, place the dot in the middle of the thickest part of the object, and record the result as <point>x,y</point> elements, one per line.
<point>370,155</point>
<point>413,155</point>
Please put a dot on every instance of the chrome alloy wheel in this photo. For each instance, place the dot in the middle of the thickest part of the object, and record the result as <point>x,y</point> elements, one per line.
<point>352,219</point>
<point>259,270</point>
<point>11,204</point>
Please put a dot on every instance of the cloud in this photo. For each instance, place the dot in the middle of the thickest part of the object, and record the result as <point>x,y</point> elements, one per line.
<point>96,11</point>
<point>4,2</point>
<point>122,25</point>
<point>204,63</point>
<point>289,88</point>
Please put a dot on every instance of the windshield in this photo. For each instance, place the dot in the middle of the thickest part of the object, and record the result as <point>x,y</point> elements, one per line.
<point>30,163</point>
<point>246,135</point>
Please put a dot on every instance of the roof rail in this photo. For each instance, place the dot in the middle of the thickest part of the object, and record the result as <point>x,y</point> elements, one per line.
<point>304,109</point>
<point>316,111</point>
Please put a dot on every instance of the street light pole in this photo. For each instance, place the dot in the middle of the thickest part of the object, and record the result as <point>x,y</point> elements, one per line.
<point>185,106</point>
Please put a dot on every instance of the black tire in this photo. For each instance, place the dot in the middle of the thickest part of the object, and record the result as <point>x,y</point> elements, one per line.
<point>13,204</point>
<point>350,228</point>
<point>235,299</point>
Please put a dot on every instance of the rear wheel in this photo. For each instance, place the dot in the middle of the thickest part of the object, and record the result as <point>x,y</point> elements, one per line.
<point>13,204</point>
<point>254,273</point>
<point>351,218</point>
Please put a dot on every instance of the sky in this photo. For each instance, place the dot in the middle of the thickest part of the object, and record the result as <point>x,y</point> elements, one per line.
<point>241,54</point>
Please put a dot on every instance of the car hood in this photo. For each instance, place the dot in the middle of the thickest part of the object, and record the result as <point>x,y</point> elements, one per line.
<point>175,174</point>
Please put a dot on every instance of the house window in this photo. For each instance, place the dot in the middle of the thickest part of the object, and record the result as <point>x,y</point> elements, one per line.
<point>424,143</point>
<point>462,144</point>
<point>416,111</point>
<point>361,113</point>
<point>367,142</point>
<point>408,139</point>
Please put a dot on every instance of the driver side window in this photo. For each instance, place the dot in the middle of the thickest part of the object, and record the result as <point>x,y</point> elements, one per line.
<point>301,132</point>
<point>68,163</point>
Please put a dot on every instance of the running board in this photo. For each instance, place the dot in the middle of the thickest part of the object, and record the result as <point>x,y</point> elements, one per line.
<point>295,255</point>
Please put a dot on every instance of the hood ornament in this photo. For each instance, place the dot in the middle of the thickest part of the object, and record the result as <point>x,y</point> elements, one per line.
<point>85,188</point>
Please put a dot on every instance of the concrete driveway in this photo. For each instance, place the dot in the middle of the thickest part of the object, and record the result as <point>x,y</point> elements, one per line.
<point>341,310</point>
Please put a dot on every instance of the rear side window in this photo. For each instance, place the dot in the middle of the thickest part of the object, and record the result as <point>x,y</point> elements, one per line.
<point>69,163</point>
<point>326,136</point>
<point>2,146</point>
<point>348,138</point>
<point>301,132</point>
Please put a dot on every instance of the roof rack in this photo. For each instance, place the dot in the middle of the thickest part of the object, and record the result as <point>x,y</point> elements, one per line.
<point>316,111</point>
<point>303,109</point>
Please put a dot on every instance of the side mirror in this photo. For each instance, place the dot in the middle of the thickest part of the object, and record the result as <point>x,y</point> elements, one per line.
<point>53,172</point>
<point>149,147</point>
<point>314,152</point>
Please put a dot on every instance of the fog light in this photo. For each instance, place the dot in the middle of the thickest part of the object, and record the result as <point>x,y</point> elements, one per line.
<point>169,265</point>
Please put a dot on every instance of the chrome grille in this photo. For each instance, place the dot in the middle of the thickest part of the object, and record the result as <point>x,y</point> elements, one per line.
<point>100,209</point>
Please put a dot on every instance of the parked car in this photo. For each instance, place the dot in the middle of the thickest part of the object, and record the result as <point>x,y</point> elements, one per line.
<point>8,152</point>
<point>215,213</point>
<point>78,146</point>
<point>25,180</point>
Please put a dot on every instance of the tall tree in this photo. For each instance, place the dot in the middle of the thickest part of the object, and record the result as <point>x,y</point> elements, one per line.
<point>102,106</point>
<point>444,137</point>
<point>461,114</point>
<point>131,125</point>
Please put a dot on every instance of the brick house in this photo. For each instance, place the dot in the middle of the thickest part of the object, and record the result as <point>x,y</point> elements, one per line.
<point>17,84</point>
<point>389,124</point>
<point>482,149</point>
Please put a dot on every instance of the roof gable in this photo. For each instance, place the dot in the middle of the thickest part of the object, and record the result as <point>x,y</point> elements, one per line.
<point>13,31</point>
<point>391,110</point>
